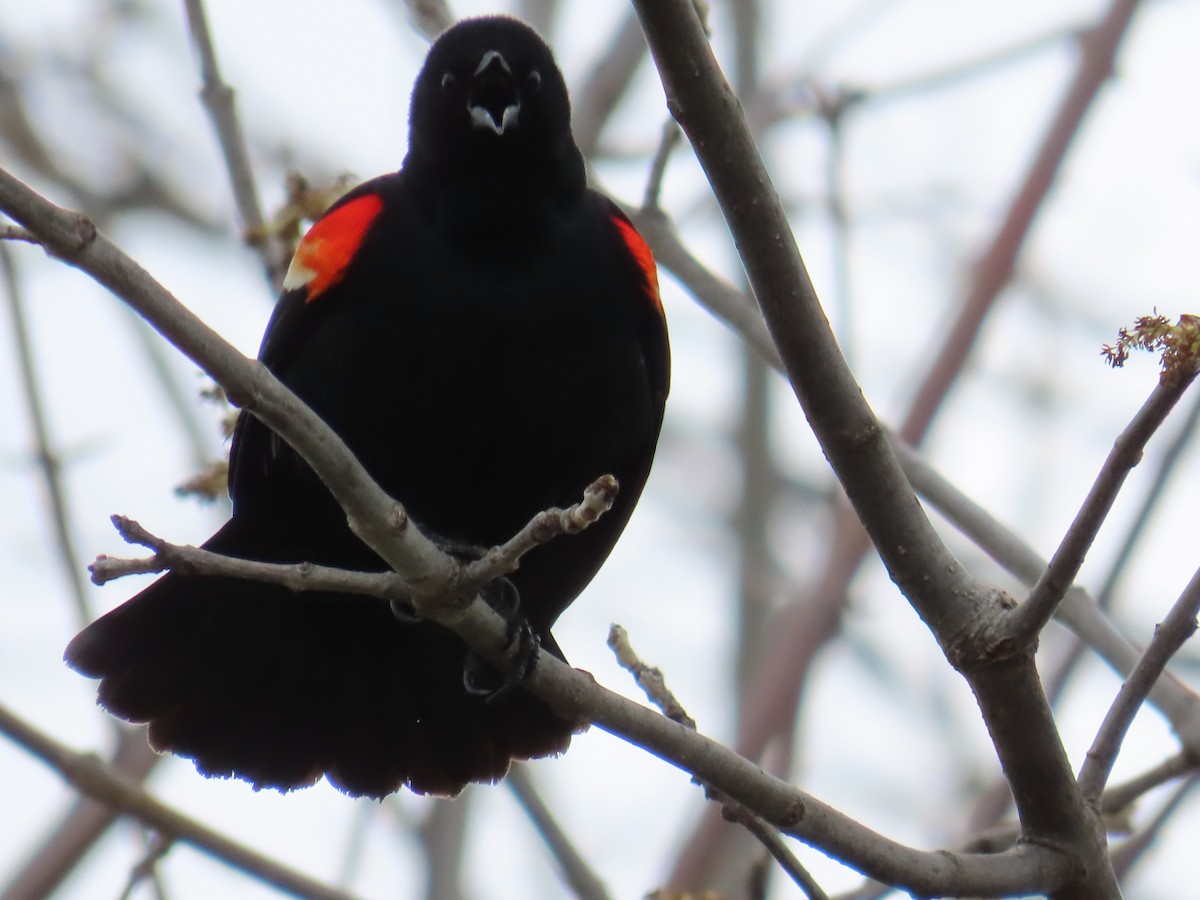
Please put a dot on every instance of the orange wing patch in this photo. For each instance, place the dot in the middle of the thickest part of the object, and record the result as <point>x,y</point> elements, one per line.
<point>330,245</point>
<point>643,257</point>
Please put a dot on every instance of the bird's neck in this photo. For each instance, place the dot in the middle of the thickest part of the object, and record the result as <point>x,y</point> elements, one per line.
<point>497,195</point>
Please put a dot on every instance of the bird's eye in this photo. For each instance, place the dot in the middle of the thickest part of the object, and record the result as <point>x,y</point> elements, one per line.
<point>533,81</point>
<point>449,82</point>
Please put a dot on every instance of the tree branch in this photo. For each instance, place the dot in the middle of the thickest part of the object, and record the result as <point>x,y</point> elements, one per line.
<point>946,597</point>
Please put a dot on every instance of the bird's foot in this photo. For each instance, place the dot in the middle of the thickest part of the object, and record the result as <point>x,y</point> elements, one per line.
<point>481,678</point>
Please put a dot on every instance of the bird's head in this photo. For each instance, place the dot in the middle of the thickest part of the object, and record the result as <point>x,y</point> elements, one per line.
<point>490,90</point>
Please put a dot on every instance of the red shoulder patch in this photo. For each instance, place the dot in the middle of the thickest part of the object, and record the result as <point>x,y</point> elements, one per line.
<point>642,255</point>
<point>330,245</point>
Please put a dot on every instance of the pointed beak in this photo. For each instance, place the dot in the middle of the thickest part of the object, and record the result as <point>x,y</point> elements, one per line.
<point>493,101</point>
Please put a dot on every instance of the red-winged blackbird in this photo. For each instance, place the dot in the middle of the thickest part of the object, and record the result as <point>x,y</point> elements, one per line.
<point>485,333</point>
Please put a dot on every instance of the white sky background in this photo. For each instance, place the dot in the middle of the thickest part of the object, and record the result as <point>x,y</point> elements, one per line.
<point>928,177</point>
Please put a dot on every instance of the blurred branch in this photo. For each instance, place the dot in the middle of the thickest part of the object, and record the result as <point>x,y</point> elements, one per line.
<point>606,83</point>
<point>770,839</point>
<point>996,263</point>
<point>443,836</point>
<point>429,17</point>
<point>49,460</point>
<point>1169,636</point>
<point>97,780</point>
<point>81,825</point>
<point>718,296</point>
<point>1127,854</point>
<point>218,99</point>
<point>579,876</point>
<point>146,869</point>
<point>140,188</point>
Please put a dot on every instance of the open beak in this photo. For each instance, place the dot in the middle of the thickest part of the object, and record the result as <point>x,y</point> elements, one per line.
<point>493,101</point>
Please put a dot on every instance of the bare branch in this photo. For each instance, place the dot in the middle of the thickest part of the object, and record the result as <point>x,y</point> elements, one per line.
<point>654,685</point>
<point>1117,799</point>
<point>1028,620</point>
<point>187,560</point>
<point>769,838</point>
<point>648,678</point>
<point>1179,625</point>
<point>147,867</point>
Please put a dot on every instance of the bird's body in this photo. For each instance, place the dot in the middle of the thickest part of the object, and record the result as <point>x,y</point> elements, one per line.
<point>484,333</point>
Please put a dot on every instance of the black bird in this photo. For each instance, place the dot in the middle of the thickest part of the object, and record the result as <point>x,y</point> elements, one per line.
<point>486,335</point>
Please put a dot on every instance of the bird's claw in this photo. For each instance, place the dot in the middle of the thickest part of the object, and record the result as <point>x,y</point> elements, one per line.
<point>481,678</point>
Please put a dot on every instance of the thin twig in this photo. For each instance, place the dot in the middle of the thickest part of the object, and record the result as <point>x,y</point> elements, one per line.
<point>90,776</point>
<point>671,137</point>
<point>654,685</point>
<point>186,560</point>
<point>543,527</point>
<point>579,876</point>
<point>1059,677</point>
<point>648,678</point>
<point>1028,620</point>
<point>715,294</point>
<point>17,233</point>
<point>1176,628</point>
